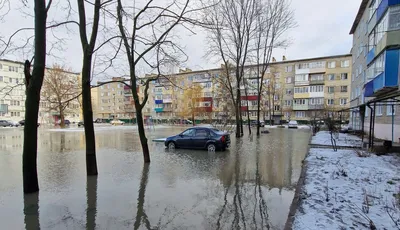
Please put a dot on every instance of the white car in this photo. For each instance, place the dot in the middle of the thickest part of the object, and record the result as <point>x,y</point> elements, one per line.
<point>13,123</point>
<point>117,122</point>
<point>293,125</point>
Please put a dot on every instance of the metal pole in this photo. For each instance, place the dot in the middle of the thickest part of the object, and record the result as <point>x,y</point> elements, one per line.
<point>370,127</point>
<point>392,123</point>
<point>373,126</point>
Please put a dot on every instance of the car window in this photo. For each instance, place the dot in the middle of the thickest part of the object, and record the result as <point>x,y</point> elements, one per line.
<point>189,132</point>
<point>201,133</point>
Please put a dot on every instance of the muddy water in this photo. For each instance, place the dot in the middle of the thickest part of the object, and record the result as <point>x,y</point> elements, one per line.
<point>251,185</point>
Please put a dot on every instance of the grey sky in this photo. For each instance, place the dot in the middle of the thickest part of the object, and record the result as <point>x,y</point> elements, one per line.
<point>323,29</point>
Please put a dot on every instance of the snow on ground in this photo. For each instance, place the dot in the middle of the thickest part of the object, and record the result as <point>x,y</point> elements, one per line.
<point>340,185</point>
<point>343,139</point>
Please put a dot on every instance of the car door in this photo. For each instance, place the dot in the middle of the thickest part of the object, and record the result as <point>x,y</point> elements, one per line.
<point>200,138</point>
<point>184,140</point>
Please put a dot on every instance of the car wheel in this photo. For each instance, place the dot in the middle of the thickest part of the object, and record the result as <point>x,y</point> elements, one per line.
<point>211,147</point>
<point>171,145</point>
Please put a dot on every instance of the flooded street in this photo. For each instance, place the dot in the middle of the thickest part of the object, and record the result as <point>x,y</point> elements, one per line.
<point>251,185</point>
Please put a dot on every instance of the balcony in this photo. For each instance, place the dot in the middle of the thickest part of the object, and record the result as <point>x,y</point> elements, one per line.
<point>317,82</point>
<point>388,80</point>
<point>300,107</point>
<point>159,110</point>
<point>296,83</point>
<point>167,101</point>
<point>315,107</point>
<point>391,38</point>
<point>249,98</point>
<point>158,102</point>
<point>370,56</point>
<point>301,95</point>
<point>203,109</point>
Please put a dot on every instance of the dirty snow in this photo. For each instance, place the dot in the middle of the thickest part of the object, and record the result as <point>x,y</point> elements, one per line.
<point>342,139</point>
<point>339,185</point>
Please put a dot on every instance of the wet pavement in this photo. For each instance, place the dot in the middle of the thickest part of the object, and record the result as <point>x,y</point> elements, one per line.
<point>249,186</point>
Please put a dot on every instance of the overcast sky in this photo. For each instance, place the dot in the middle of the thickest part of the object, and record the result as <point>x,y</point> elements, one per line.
<point>323,30</point>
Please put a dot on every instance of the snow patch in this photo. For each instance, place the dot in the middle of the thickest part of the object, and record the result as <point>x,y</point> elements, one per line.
<point>342,189</point>
<point>342,139</point>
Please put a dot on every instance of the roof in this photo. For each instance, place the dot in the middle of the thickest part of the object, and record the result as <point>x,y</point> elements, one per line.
<point>360,13</point>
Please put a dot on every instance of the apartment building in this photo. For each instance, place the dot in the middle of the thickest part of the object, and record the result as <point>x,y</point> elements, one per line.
<point>293,90</point>
<point>375,79</point>
<point>12,90</point>
<point>115,100</point>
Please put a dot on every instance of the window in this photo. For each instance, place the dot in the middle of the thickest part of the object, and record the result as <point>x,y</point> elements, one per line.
<point>1,66</point>
<point>301,90</point>
<point>331,64</point>
<point>288,102</point>
<point>371,41</point>
<point>378,110</point>
<point>331,77</point>
<point>343,101</point>
<point>288,69</point>
<point>1,78</point>
<point>343,76</point>
<point>202,133</point>
<point>390,109</point>
<point>302,77</point>
<point>288,80</point>
<point>10,80</point>
<point>394,18</point>
<point>317,77</point>
<point>288,91</point>
<point>343,88</point>
<point>345,63</point>
<point>277,107</point>
<point>381,28</point>
<point>331,101</point>
<point>331,89</point>
<point>300,114</point>
<point>276,97</point>
<point>300,101</point>
<point>316,101</point>
<point>316,88</point>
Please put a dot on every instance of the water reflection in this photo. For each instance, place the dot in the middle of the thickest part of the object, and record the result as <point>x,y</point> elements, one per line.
<point>249,186</point>
<point>91,197</point>
<point>31,211</point>
<point>141,216</point>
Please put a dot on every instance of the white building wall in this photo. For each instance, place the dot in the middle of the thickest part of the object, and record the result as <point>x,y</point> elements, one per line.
<point>12,90</point>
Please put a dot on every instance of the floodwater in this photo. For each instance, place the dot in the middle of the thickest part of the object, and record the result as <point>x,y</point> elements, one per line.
<point>249,186</point>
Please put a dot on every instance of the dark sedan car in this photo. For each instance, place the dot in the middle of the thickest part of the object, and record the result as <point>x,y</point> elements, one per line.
<point>200,138</point>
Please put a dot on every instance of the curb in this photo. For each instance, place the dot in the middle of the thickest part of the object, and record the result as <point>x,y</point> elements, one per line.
<point>299,189</point>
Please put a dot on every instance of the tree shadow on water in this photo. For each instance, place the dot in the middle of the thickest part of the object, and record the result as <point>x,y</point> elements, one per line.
<point>244,205</point>
<point>31,211</point>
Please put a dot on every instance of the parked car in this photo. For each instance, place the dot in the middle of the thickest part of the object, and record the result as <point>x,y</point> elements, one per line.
<point>81,124</point>
<point>4,123</point>
<point>187,122</point>
<point>100,120</point>
<point>22,123</point>
<point>117,122</point>
<point>255,123</point>
<point>293,125</point>
<point>14,123</point>
<point>66,122</point>
<point>200,138</point>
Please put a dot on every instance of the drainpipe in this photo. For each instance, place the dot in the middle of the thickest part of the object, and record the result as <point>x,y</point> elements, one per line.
<point>392,123</point>
<point>370,126</point>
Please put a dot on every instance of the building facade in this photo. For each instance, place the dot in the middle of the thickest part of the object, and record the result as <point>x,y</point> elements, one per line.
<point>376,36</point>
<point>293,90</point>
<point>115,100</point>
<point>12,91</point>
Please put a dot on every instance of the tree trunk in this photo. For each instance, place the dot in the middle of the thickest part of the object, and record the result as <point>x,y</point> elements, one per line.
<point>33,86</point>
<point>91,162</point>
<point>62,119</point>
<point>142,135</point>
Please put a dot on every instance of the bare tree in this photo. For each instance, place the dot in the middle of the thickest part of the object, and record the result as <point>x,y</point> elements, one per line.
<point>276,19</point>
<point>60,90</point>
<point>88,49</point>
<point>231,29</point>
<point>146,32</point>
<point>34,81</point>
